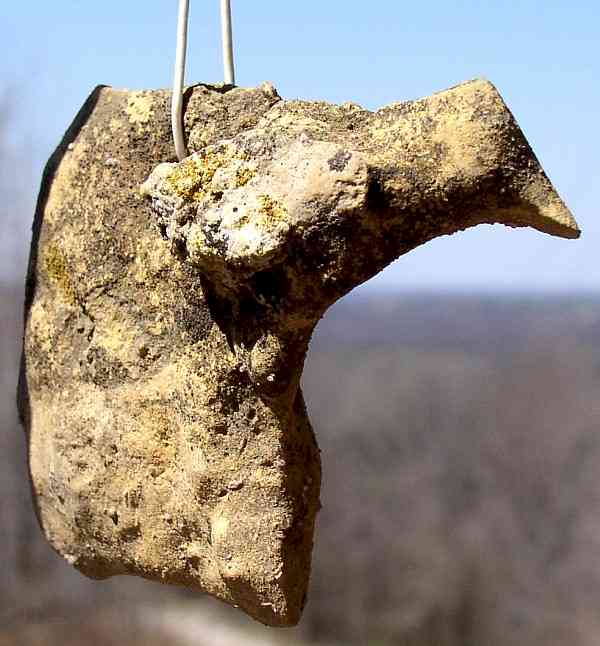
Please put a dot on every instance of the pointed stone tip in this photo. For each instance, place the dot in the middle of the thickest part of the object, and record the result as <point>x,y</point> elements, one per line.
<point>549,214</point>
<point>559,224</point>
<point>479,83</point>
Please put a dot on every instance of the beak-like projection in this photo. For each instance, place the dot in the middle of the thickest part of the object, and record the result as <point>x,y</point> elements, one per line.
<point>166,328</point>
<point>327,196</point>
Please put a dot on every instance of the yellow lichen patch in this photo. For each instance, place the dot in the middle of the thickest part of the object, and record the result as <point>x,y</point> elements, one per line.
<point>186,180</point>
<point>56,268</point>
<point>139,109</point>
<point>243,176</point>
<point>191,178</point>
<point>271,211</point>
<point>151,258</point>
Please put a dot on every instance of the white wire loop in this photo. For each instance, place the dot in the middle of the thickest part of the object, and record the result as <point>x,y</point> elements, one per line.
<point>178,79</point>
<point>180,60</point>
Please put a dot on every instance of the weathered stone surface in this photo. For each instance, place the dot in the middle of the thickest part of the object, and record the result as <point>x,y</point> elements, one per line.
<point>169,309</point>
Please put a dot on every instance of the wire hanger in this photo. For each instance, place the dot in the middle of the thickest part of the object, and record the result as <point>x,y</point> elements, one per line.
<point>180,60</point>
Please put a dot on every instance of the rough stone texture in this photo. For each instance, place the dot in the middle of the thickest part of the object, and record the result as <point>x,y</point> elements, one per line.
<point>169,308</point>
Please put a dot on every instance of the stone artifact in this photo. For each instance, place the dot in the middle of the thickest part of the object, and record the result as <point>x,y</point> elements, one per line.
<point>169,308</point>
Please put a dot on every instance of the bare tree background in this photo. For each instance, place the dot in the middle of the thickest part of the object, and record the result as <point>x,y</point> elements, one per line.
<point>461,502</point>
<point>14,526</point>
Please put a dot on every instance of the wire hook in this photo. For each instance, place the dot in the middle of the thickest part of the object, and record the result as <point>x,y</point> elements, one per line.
<point>227,37</point>
<point>180,60</point>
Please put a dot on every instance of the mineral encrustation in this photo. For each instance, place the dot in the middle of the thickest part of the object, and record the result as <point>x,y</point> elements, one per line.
<point>169,307</point>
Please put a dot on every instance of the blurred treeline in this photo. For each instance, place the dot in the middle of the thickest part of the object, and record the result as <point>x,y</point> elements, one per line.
<point>461,501</point>
<point>461,446</point>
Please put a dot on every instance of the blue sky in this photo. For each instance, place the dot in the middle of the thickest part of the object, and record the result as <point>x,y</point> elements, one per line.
<point>543,56</point>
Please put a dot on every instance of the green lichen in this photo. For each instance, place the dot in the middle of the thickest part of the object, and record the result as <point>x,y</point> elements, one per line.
<point>56,268</point>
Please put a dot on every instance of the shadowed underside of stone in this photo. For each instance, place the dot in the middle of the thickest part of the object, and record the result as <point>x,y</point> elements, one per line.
<point>166,327</point>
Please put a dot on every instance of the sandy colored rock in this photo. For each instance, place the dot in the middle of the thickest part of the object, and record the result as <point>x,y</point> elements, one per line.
<point>170,305</point>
